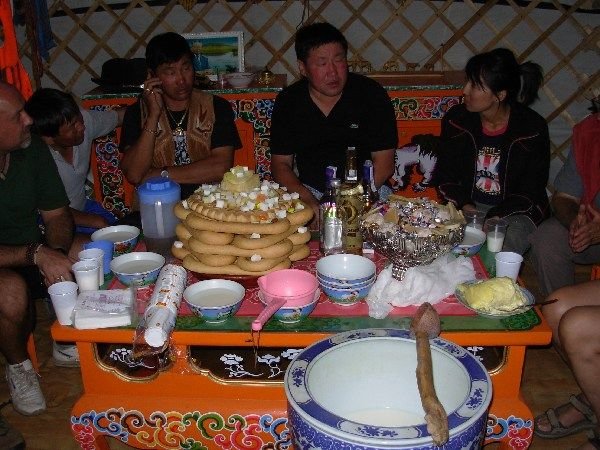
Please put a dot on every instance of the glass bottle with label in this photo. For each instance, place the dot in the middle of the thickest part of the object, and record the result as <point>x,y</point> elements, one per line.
<point>352,203</point>
<point>332,220</point>
<point>370,193</point>
<point>370,197</point>
<point>330,174</point>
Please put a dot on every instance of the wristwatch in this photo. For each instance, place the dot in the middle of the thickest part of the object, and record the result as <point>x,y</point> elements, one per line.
<point>164,172</point>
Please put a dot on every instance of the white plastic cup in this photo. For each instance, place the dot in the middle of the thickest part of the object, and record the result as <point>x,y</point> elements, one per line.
<point>63,296</point>
<point>474,219</point>
<point>508,264</point>
<point>86,275</point>
<point>96,255</point>
<point>495,230</point>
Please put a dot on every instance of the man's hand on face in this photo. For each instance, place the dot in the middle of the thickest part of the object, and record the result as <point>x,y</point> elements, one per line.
<point>152,95</point>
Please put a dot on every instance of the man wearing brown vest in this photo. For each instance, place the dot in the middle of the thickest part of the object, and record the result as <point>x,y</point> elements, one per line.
<point>174,129</point>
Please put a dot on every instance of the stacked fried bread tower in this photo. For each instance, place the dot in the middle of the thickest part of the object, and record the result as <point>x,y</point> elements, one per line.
<point>241,227</point>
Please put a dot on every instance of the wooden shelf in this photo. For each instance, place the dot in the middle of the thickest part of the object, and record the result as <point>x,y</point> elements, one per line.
<point>450,79</point>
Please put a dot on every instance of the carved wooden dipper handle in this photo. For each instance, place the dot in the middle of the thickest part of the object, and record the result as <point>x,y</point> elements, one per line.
<point>426,325</point>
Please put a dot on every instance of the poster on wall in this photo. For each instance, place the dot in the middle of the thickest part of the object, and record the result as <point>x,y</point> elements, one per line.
<point>217,52</point>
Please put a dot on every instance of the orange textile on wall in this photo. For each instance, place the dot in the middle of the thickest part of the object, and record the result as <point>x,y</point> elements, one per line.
<point>11,68</point>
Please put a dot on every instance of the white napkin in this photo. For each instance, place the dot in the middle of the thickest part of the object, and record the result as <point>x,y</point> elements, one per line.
<point>103,309</point>
<point>430,283</point>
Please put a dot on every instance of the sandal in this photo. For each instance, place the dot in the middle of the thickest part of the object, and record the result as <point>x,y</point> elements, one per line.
<point>557,430</point>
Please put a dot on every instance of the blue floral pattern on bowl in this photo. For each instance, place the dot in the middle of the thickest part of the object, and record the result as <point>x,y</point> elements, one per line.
<point>314,426</point>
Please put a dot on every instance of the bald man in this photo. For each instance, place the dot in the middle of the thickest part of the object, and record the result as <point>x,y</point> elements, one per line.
<point>30,187</point>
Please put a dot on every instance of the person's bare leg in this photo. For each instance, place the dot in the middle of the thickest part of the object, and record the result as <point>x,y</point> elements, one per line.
<point>580,337</point>
<point>16,319</point>
<point>571,301</point>
<point>584,294</point>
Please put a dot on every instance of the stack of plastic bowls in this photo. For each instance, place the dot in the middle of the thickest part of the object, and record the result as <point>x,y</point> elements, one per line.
<point>345,278</point>
<point>288,294</point>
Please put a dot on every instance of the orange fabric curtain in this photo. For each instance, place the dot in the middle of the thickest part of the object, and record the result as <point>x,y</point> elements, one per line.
<point>11,68</point>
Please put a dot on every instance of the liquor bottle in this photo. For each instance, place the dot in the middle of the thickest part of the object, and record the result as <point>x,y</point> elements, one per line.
<point>332,220</point>
<point>330,174</point>
<point>370,193</point>
<point>352,203</point>
<point>370,198</point>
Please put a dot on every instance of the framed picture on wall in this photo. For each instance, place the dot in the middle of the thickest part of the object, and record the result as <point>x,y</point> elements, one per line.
<point>216,53</point>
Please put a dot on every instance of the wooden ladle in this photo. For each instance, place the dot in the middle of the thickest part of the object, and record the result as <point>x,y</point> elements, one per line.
<point>425,325</point>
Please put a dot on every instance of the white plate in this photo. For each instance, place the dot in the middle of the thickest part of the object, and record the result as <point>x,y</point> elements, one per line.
<point>529,298</point>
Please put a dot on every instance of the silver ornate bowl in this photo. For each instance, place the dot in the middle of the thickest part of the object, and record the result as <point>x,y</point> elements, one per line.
<point>410,248</point>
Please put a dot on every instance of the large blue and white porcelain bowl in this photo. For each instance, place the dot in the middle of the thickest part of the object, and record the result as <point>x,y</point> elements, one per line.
<point>357,390</point>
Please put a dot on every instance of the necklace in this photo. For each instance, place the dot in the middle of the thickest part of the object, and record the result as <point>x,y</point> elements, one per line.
<point>5,168</point>
<point>178,130</point>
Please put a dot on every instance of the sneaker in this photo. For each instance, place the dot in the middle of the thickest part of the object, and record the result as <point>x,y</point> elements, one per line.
<point>65,355</point>
<point>10,438</point>
<point>25,392</point>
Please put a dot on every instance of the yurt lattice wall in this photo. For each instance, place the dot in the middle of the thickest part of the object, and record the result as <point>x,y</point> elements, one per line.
<point>564,37</point>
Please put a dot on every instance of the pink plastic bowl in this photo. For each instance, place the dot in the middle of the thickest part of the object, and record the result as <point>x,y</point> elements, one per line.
<point>297,286</point>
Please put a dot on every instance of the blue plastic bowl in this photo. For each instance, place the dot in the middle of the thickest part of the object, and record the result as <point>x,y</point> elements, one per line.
<point>214,300</point>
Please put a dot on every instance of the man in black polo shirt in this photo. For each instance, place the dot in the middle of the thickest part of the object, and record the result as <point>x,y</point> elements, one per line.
<point>315,119</point>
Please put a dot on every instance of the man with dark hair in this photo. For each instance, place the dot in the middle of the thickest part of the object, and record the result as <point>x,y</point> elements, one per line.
<point>29,185</point>
<point>69,131</point>
<point>176,130</point>
<point>317,118</point>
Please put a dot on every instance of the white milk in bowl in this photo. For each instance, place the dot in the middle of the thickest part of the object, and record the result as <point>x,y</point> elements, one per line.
<point>137,266</point>
<point>214,300</point>
<point>214,297</point>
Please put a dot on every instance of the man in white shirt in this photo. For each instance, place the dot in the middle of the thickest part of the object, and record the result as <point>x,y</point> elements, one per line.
<point>69,131</point>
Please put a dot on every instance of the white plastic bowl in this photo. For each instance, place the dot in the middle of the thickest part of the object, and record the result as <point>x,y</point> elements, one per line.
<point>214,300</point>
<point>345,268</point>
<point>471,243</point>
<point>139,268</point>
<point>124,237</point>
<point>239,80</point>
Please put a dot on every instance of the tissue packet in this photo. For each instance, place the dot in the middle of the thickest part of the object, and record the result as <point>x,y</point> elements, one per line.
<point>103,309</point>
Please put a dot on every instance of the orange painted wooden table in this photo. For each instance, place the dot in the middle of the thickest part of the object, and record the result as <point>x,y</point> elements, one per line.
<point>214,391</point>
